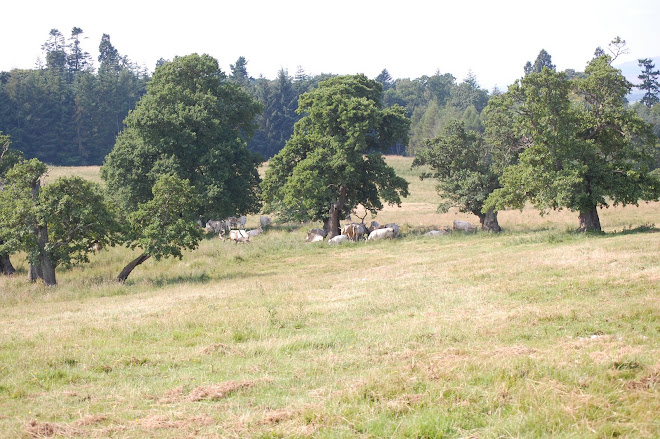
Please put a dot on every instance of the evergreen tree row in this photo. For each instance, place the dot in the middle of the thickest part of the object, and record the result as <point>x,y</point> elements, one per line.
<point>64,112</point>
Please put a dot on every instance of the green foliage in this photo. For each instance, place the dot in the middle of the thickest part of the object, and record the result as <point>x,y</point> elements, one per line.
<point>543,60</point>
<point>462,163</point>
<point>582,147</point>
<point>79,217</point>
<point>8,157</point>
<point>164,225</point>
<point>434,102</point>
<point>334,154</point>
<point>63,113</point>
<point>19,208</point>
<point>74,212</point>
<point>194,123</point>
<point>650,85</point>
<point>280,101</point>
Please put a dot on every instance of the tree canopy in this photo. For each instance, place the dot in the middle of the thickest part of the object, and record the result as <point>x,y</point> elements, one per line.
<point>54,225</point>
<point>162,226</point>
<point>462,162</point>
<point>194,123</point>
<point>333,162</point>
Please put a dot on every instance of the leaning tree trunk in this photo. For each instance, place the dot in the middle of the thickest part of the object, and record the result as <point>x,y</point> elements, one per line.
<point>589,221</point>
<point>131,266</point>
<point>489,222</point>
<point>335,210</point>
<point>5,265</point>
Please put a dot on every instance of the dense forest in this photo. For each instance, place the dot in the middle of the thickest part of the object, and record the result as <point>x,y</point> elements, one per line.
<point>65,111</point>
<point>69,109</point>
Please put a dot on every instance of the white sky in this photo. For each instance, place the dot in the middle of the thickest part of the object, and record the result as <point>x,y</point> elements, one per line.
<point>409,38</point>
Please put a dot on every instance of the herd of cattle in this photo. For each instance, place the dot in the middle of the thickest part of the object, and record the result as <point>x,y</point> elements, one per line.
<point>233,228</point>
<point>355,232</point>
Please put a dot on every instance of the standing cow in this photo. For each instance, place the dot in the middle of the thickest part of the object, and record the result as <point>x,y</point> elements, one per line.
<point>354,231</point>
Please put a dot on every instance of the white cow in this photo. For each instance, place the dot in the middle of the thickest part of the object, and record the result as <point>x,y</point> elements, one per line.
<point>236,223</point>
<point>241,221</point>
<point>443,231</point>
<point>464,226</point>
<point>386,233</point>
<point>316,235</point>
<point>239,236</point>
<point>312,237</point>
<point>338,239</point>
<point>394,227</point>
<point>255,232</point>
<point>213,226</point>
<point>354,231</point>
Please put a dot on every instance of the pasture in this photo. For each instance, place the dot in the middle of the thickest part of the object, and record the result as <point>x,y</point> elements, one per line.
<point>535,332</point>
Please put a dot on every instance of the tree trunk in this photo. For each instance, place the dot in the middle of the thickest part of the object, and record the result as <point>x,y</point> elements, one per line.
<point>326,225</point>
<point>5,265</point>
<point>489,222</point>
<point>46,268</point>
<point>35,272</point>
<point>131,266</point>
<point>589,221</point>
<point>335,210</point>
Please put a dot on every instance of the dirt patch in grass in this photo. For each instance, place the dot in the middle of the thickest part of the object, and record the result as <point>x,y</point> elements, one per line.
<point>219,348</point>
<point>91,419</point>
<point>649,382</point>
<point>213,392</point>
<point>277,416</point>
<point>158,421</point>
<point>36,429</point>
<point>173,395</point>
<point>218,391</point>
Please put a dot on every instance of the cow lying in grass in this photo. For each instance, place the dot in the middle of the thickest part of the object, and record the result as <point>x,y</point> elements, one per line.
<point>385,233</point>
<point>316,235</point>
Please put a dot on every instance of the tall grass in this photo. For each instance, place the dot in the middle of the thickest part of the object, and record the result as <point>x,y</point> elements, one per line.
<point>536,332</point>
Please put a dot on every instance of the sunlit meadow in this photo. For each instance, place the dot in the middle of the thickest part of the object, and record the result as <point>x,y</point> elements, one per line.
<point>535,332</point>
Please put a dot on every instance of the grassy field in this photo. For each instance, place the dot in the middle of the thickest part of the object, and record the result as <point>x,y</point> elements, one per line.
<point>536,332</point>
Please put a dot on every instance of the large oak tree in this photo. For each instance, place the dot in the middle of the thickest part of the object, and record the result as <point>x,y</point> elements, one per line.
<point>193,123</point>
<point>333,162</point>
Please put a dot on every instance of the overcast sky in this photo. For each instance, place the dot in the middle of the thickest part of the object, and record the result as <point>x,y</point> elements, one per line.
<point>410,38</point>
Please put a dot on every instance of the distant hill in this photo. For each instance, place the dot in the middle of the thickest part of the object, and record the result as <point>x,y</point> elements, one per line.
<point>631,70</point>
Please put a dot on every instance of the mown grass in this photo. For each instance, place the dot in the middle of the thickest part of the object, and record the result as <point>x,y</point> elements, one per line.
<point>537,332</point>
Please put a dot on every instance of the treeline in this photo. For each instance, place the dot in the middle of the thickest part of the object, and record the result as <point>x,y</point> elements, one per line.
<point>67,112</point>
<point>64,112</point>
<point>431,102</point>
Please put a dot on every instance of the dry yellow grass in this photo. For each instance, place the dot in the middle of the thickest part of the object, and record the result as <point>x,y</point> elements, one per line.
<point>538,332</point>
